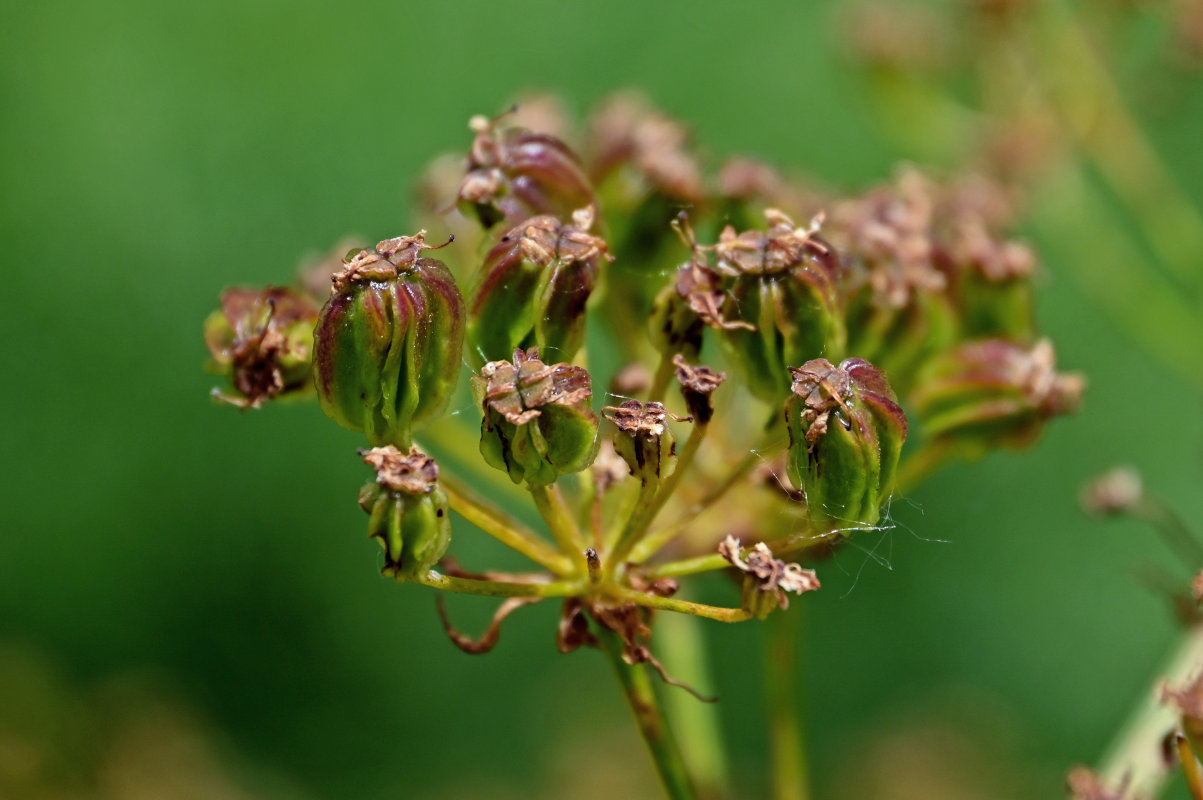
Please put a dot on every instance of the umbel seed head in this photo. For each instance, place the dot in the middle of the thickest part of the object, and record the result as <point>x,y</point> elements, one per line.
<point>388,342</point>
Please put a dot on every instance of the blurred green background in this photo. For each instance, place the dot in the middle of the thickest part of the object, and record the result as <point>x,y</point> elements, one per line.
<point>189,607</point>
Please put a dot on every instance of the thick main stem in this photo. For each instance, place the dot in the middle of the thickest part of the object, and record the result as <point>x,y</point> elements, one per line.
<point>641,698</point>
<point>791,779</point>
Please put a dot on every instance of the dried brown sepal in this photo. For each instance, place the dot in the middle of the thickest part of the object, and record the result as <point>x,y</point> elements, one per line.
<point>971,245</point>
<point>1116,491</point>
<point>487,640</point>
<point>381,264</point>
<point>517,390</point>
<point>640,419</point>
<point>773,575</point>
<point>697,384</point>
<point>824,388</point>
<point>412,473</point>
<point>783,246</point>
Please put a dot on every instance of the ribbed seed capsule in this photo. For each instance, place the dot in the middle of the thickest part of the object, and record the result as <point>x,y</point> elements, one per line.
<point>532,289</point>
<point>783,284</point>
<point>388,343</point>
<point>644,440</point>
<point>846,431</point>
<point>407,511</point>
<point>261,339</point>
<point>515,174</point>
<point>538,424</point>
<point>994,393</point>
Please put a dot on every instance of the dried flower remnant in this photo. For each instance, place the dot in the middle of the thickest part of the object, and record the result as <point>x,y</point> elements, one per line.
<point>532,288</point>
<point>387,343</point>
<point>697,384</point>
<point>537,422</point>
<point>407,510</point>
<point>767,580</point>
<point>262,340</point>
<point>514,174</point>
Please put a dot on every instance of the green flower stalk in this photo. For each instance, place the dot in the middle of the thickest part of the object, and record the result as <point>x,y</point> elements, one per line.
<point>784,286</point>
<point>538,424</point>
<point>993,393</point>
<point>515,174</point>
<point>261,339</point>
<point>407,511</point>
<point>846,432</point>
<point>532,289</point>
<point>387,344</point>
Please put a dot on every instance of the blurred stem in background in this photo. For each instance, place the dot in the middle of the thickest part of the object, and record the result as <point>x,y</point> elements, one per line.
<point>641,698</point>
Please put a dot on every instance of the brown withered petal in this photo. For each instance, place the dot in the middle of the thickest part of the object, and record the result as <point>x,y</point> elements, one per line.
<point>1033,371</point>
<point>413,473</point>
<point>517,390</point>
<point>773,573</point>
<point>640,419</point>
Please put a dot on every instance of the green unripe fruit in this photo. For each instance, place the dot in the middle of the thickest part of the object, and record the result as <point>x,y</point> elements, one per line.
<point>407,511</point>
<point>783,289</point>
<point>388,343</point>
<point>846,432</point>
<point>514,174</point>
<point>537,424</point>
<point>644,440</point>
<point>993,393</point>
<point>532,289</point>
